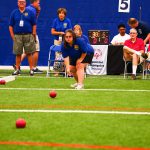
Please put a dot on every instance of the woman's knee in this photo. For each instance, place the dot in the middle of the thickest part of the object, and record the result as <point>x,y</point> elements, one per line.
<point>80,66</point>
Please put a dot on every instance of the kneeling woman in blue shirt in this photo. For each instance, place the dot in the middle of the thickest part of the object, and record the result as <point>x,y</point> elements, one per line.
<point>77,54</point>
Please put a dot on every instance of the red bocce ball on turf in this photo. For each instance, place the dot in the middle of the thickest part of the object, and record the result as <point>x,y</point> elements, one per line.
<point>52,94</point>
<point>2,82</point>
<point>20,123</point>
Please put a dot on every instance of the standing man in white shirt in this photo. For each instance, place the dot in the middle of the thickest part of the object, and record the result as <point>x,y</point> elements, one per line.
<point>120,38</point>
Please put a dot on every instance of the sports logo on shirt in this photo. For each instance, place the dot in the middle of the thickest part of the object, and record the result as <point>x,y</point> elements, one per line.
<point>65,25</point>
<point>140,31</point>
<point>26,14</point>
<point>76,47</point>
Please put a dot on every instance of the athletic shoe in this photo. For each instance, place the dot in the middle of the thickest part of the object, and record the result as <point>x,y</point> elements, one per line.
<point>70,76</point>
<point>79,87</point>
<point>74,85</point>
<point>14,66</point>
<point>133,77</point>
<point>16,72</point>
<point>31,72</point>
<point>37,70</point>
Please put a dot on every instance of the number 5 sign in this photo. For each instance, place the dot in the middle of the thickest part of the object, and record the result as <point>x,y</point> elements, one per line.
<point>124,6</point>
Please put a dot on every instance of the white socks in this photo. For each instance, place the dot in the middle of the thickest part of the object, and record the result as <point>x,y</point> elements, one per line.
<point>134,67</point>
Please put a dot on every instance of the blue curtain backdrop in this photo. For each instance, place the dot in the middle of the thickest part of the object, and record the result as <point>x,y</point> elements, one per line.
<point>90,14</point>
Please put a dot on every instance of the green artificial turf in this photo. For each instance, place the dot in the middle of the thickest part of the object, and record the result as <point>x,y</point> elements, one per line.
<point>90,129</point>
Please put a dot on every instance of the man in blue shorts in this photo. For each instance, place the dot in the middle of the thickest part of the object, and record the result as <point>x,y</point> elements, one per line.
<point>22,29</point>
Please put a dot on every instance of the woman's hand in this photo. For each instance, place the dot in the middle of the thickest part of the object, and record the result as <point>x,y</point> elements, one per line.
<point>83,55</point>
<point>68,71</point>
<point>61,33</point>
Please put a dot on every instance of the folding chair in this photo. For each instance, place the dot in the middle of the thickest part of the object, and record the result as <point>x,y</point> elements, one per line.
<point>146,73</point>
<point>147,62</point>
<point>52,60</point>
<point>127,72</point>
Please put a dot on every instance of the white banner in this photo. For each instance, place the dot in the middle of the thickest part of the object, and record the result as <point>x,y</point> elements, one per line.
<point>124,6</point>
<point>99,62</point>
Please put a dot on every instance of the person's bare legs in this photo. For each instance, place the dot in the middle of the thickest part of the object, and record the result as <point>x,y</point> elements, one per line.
<point>74,72</point>
<point>80,72</point>
<point>130,50</point>
<point>35,58</point>
<point>128,56</point>
<point>135,60</point>
<point>30,61</point>
<point>18,61</point>
<point>23,56</point>
<point>17,66</point>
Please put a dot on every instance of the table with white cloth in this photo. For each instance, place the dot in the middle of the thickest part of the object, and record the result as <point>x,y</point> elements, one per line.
<point>106,60</point>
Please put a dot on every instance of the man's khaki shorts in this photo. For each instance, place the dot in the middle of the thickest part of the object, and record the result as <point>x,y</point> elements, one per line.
<point>26,42</point>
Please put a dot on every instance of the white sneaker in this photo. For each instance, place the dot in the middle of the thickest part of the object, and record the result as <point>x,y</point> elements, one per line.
<point>79,87</point>
<point>74,85</point>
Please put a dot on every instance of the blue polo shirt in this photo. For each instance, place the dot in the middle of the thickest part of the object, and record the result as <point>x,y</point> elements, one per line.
<point>28,18</point>
<point>143,30</point>
<point>75,51</point>
<point>89,47</point>
<point>30,7</point>
<point>61,26</point>
<point>85,38</point>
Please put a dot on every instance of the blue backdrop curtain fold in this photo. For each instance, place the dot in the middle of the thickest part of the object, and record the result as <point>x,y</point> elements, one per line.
<point>90,14</point>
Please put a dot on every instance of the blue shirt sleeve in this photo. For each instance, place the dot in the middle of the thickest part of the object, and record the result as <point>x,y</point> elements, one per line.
<point>85,47</point>
<point>31,8</point>
<point>86,39</point>
<point>33,18</point>
<point>82,44</point>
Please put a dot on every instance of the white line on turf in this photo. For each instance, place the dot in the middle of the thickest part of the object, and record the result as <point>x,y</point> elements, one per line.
<point>75,111</point>
<point>8,78</point>
<point>102,77</point>
<point>48,89</point>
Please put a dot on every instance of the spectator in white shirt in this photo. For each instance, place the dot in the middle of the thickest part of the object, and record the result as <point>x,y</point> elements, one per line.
<point>120,38</point>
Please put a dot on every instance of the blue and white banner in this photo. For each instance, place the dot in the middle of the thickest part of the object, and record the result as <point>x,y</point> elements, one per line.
<point>99,62</point>
<point>124,6</point>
